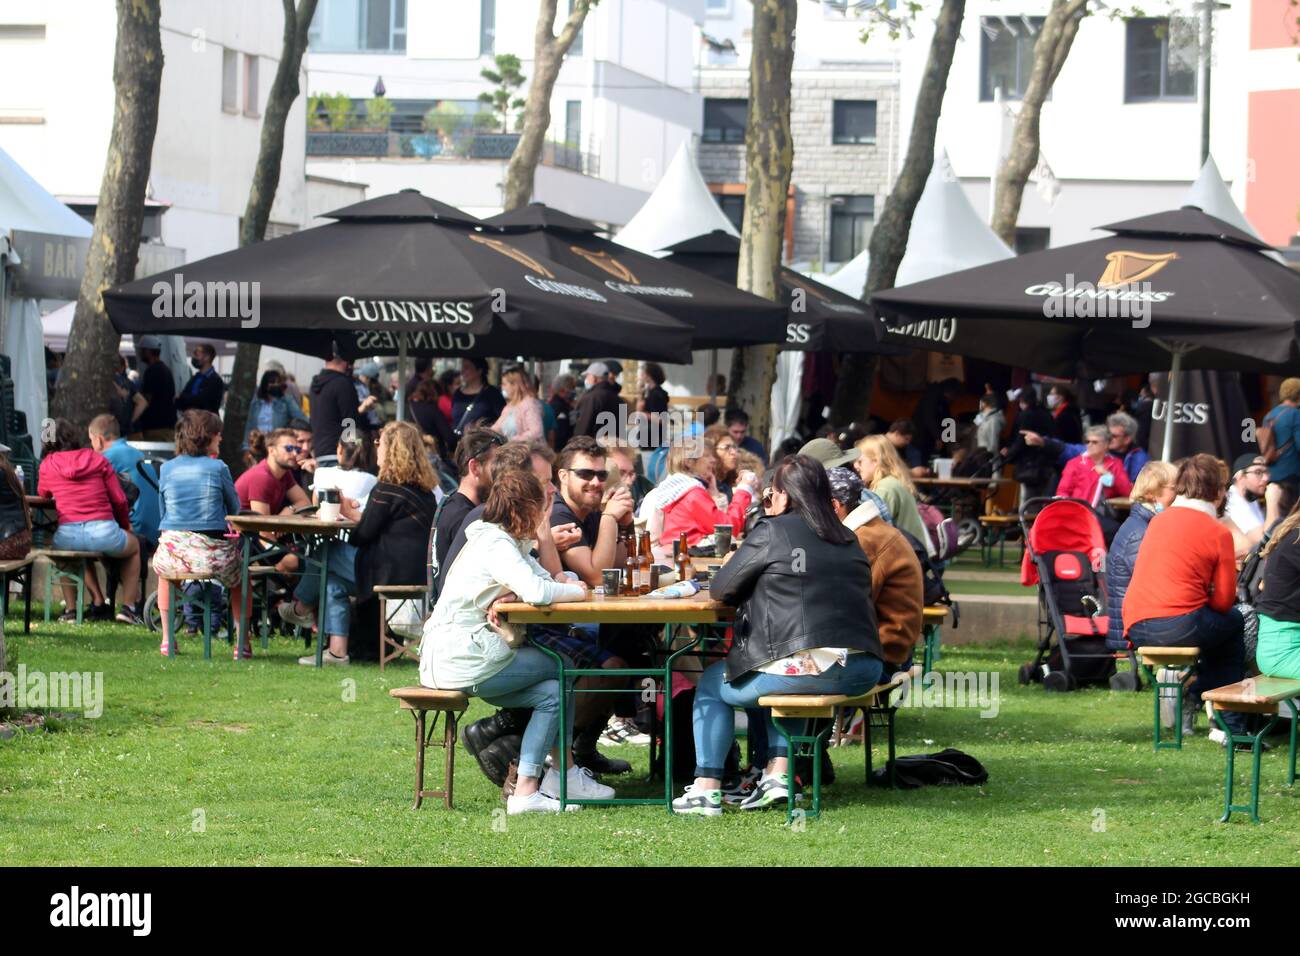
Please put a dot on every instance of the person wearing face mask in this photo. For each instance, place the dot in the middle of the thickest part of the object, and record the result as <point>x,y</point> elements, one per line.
<point>1094,475</point>
<point>1152,493</point>
<point>205,389</point>
<point>271,408</point>
<point>1067,426</point>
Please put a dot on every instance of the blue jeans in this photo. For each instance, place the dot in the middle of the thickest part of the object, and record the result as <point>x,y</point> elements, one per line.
<point>341,585</point>
<point>529,680</point>
<point>1220,638</point>
<point>104,535</point>
<point>715,700</point>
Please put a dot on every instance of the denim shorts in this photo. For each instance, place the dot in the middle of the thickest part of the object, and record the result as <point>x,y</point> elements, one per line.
<point>105,536</point>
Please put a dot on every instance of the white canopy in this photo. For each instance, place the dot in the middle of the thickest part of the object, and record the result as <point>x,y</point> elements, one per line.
<point>25,205</point>
<point>947,233</point>
<point>1210,195</point>
<point>681,207</point>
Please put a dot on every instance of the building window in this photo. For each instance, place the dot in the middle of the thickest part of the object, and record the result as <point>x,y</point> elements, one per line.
<point>854,121</point>
<point>1032,239</point>
<point>250,85</point>
<point>1007,55</point>
<point>724,120</point>
<point>487,28</point>
<point>576,49</point>
<point>573,122</point>
<point>230,81</point>
<point>359,26</point>
<point>733,207</point>
<point>717,8</point>
<point>851,219</point>
<point>1155,68</point>
<point>852,9</point>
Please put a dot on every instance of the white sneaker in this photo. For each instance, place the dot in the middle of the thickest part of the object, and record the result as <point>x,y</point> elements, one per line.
<point>581,785</point>
<point>535,802</point>
<point>329,657</point>
<point>289,614</point>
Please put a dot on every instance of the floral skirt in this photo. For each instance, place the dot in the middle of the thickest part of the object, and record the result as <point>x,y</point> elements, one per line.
<point>188,552</point>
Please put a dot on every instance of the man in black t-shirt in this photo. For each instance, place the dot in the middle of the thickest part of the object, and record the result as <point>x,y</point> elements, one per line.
<point>158,421</point>
<point>473,461</point>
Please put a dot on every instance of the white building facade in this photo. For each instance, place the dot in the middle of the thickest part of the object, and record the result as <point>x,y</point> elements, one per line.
<point>625,99</point>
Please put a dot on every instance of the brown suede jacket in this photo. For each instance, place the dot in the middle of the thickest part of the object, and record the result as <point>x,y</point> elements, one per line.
<point>897,588</point>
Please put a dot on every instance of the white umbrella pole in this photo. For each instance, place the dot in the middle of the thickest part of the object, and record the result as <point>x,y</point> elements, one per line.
<point>401,377</point>
<point>1167,452</point>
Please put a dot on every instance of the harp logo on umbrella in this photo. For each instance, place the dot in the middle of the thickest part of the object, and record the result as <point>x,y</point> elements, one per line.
<point>1124,267</point>
<point>521,257</point>
<point>603,260</point>
<point>547,282</point>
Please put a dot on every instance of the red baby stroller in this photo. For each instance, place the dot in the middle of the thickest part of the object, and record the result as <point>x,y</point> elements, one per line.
<point>1065,556</point>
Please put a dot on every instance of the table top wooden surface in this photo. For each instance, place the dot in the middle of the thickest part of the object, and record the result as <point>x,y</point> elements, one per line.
<point>935,613</point>
<point>958,482</point>
<point>288,524</point>
<point>603,609</point>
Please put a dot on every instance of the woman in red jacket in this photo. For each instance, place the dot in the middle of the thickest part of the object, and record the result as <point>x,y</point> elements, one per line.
<point>1184,583</point>
<point>93,516</point>
<point>686,500</point>
<point>1096,474</point>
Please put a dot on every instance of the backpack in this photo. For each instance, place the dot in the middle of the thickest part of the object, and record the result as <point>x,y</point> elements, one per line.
<point>1266,436</point>
<point>935,591</point>
<point>941,532</point>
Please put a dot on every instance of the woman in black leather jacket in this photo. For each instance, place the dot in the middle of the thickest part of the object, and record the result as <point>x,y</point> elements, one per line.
<point>805,625</point>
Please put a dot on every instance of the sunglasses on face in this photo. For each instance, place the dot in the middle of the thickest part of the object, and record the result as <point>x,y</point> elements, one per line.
<point>1256,471</point>
<point>291,449</point>
<point>586,474</point>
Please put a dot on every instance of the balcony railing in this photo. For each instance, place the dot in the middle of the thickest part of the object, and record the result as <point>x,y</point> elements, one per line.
<point>405,138</point>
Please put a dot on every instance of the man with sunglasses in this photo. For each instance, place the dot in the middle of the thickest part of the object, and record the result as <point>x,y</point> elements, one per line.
<point>269,487</point>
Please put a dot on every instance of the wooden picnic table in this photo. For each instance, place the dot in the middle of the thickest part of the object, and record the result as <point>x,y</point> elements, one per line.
<point>610,609</point>
<point>316,533</point>
<point>967,483</point>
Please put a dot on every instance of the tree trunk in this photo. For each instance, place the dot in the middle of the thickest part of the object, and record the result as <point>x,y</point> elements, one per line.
<point>93,343</point>
<point>857,375</point>
<point>769,157</point>
<point>257,212</point>
<point>1051,47</point>
<point>548,57</point>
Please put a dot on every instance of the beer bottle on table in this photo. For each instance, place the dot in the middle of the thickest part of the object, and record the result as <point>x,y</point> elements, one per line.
<point>629,565</point>
<point>685,571</point>
<point>644,559</point>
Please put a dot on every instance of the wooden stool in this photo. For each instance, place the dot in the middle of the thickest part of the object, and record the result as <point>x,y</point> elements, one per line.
<point>1181,660</point>
<point>821,707</point>
<point>996,528</point>
<point>205,601</point>
<point>421,700</point>
<point>84,560</point>
<point>22,569</point>
<point>395,593</point>
<point>1255,695</point>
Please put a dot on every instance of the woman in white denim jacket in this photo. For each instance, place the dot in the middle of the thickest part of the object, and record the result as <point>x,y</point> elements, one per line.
<point>465,648</point>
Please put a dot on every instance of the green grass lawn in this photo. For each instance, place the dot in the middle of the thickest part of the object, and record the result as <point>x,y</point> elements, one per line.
<point>282,768</point>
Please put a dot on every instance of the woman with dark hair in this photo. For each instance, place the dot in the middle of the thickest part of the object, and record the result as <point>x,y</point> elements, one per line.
<point>448,382</point>
<point>1184,582</point>
<point>426,411</point>
<point>353,476</point>
<point>272,407</point>
<point>1067,424</point>
<point>805,624</point>
<point>195,494</point>
<point>476,399</point>
<point>93,515</point>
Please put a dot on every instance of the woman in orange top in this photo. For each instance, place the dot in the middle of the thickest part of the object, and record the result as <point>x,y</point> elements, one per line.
<point>1184,583</point>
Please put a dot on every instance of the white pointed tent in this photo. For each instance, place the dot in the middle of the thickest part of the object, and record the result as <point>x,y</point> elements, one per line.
<point>946,235</point>
<point>1210,194</point>
<point>24,204</point>
<point>680,207</point>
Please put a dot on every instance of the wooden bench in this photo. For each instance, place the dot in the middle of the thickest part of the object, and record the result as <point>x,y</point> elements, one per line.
<point>1180,660</point>
<point>180,598</point>
<point>395,593</point>
<point>21,568</point>
<point>932,619</point>
<point>1254,695</point>
<point>996,528</point>
<point>84,561</point>
<point>449,703</point>
<point>815,708</point>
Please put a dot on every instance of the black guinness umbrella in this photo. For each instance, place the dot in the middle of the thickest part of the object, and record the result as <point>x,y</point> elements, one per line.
<point>817,317</point>
<point>721,315</point>
<point>1173,290</point>
<point>398,273</point>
